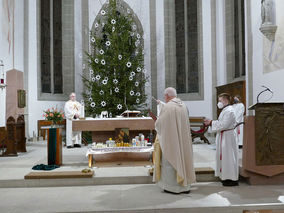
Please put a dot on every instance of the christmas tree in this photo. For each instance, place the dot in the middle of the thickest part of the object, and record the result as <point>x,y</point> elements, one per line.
<point>117,76</point>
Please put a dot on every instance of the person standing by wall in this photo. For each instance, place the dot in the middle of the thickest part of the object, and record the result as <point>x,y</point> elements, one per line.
<point>239,113</point>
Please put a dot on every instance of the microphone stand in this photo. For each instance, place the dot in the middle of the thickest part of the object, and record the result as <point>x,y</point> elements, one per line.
<point>257,98</point>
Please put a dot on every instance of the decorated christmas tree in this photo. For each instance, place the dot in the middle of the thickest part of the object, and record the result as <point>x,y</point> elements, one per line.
<point>116,78</point>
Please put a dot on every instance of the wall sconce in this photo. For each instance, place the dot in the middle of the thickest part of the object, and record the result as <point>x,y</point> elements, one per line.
<point>2,75</point>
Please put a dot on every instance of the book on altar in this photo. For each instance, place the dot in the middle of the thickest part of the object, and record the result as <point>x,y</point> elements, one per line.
<point>128,113</point>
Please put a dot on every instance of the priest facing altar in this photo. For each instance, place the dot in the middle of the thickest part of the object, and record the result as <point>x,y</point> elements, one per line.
<point>73,111</point>
<point>176,170</point>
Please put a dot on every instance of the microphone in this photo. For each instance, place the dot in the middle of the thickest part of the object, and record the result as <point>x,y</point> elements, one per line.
<point>267,88</point>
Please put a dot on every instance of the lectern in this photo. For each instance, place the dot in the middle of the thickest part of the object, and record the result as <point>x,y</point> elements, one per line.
<point>263,149</point>
<point>54,146</point>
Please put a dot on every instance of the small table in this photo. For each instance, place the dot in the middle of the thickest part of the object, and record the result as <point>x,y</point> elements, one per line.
<point>122,153</point>
<point>54,145</point>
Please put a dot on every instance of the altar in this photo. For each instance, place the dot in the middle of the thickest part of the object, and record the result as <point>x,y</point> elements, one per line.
<point>104,128</point>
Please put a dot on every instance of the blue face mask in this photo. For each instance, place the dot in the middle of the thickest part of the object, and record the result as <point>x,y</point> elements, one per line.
<point>236,101</point>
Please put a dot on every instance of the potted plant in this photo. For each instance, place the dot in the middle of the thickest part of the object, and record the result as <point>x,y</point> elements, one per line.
<point>54,115</point>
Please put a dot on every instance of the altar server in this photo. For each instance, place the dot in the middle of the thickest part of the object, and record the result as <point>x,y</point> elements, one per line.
<point>239,113</point>
<point>72,112</point>
<point>226,144</point>
<point>173,132</point>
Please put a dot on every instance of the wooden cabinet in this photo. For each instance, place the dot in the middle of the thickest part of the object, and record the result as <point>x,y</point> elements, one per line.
<point>269,133</point>
<point>236,88</point>
<point>263,148</point>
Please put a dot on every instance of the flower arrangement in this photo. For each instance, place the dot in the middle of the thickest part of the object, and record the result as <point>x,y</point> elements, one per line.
<point>53,115</point>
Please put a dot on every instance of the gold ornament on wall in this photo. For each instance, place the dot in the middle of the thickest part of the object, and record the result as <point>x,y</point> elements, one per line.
<point>21,98</point>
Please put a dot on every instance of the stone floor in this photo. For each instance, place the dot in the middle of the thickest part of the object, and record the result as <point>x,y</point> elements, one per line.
<point>15,168</point>
<point>17,196</point>
<point>204,197</point>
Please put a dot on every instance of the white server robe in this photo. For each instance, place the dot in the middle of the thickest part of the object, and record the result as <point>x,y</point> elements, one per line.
<point>226,145</point>
<point>239,113</point>
<point>71,108</point>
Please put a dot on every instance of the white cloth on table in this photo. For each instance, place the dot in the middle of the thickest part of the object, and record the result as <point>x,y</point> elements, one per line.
<point>226,145</point>
<point>239,113</point>
<point>71,108</point>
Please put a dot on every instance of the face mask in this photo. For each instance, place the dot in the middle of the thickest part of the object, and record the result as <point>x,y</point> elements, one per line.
<point>236,101</point>
<point>220,105</point>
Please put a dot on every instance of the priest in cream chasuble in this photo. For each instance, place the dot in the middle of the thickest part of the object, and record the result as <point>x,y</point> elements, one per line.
<point>173,132</point>
<point>73,110</point>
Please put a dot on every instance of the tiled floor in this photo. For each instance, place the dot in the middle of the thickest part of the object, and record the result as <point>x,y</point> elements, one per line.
<point>204,197</point>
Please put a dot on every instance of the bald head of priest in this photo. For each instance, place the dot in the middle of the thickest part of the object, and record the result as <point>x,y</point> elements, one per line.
<point>72,96</point>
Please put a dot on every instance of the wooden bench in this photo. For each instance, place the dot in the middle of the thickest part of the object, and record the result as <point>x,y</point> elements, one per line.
<point>8,142</point>
<point>20,136</point>
<point>200,133</point>
<point>3,137</point>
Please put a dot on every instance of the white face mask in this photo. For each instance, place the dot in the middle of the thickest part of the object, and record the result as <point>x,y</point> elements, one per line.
<point>220,105</point>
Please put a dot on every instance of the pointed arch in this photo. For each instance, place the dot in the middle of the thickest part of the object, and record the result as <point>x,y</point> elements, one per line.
<point>123,8</point>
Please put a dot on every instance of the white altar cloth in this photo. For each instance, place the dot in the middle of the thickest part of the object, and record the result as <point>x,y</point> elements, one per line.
<point>115,119</point>
<point>106,150</point>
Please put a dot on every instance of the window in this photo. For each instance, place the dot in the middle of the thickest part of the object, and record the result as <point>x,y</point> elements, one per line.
<point>51,46</point>
<point>239,25</point>
<point>187,46</point>
<point>235,40</point>
<point>56,48</point>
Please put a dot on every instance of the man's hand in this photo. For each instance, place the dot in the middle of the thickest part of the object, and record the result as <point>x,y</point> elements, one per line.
<point>207,122</point>
<point>157,100</point>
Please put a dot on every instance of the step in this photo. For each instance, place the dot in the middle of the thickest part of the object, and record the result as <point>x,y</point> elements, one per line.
<point>105,176</point>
